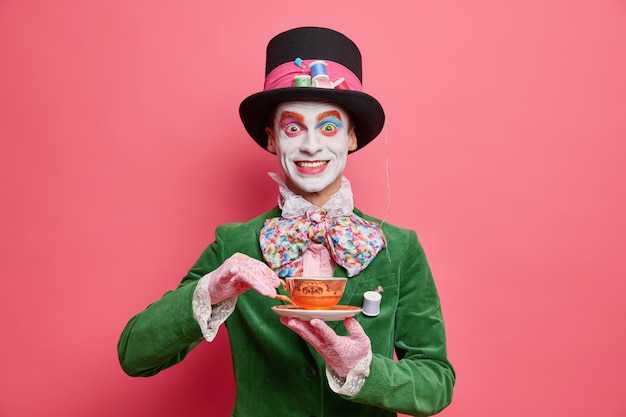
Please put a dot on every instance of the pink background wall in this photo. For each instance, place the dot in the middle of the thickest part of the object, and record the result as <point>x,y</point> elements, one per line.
<point>506,131</point>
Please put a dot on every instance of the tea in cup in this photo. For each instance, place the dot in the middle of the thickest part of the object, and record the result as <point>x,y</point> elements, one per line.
<point>313,293</point>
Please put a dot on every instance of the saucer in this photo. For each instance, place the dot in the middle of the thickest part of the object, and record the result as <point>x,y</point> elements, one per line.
<point>338,312</point>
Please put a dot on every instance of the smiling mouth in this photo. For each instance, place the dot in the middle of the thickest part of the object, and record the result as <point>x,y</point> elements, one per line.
<point>311,167</point>
<point>311,164</point>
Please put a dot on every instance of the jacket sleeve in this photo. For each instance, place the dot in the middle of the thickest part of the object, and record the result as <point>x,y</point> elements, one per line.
<point>421,381</point>
<point>166,331</point>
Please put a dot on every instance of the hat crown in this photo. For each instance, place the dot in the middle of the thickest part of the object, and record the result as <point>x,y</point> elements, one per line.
<point>313,43</point>
<point>334,64</point>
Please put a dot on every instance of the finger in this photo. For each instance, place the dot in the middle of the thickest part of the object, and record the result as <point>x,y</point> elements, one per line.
<point>262,282</point>
<point>261,269</point>
<point>353,327</point>
<point>325,332</point>
<point>265,288</point>
<point>228,272</point>
<point>270,277</point>
<point>253,268</point>
<point>296,325</point>
<point>302,329</point>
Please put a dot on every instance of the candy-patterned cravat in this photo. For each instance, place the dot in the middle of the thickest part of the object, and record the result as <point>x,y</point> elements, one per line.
<point>353,242</point>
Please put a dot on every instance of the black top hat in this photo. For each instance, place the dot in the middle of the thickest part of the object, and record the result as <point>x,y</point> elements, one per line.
<point>329,65</point>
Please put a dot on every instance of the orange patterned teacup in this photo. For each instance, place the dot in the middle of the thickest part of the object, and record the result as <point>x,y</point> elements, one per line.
<point>313,293</point>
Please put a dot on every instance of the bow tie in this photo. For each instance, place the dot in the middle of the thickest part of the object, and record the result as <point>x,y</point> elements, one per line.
<point>353,242</point>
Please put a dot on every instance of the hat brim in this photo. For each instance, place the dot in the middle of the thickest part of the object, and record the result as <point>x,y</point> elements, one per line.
<point>366,112</point>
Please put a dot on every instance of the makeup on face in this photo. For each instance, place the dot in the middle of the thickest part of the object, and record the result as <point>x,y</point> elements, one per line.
<point>312,141</point>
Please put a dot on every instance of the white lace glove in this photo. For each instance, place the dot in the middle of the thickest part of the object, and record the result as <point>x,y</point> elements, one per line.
<point>341,353</point>
<point>238,274</point>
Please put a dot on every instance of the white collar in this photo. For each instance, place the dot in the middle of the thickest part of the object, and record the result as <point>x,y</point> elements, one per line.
<point>293,205</point>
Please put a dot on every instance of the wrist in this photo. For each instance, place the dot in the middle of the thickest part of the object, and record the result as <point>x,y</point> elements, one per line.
<point>216,294</point>
<point>352,383</point>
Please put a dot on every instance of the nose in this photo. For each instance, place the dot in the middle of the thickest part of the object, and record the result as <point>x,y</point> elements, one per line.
<point>311,144</point>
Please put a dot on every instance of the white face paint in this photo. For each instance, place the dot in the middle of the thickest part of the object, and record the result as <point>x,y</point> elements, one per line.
<point>311,140</point>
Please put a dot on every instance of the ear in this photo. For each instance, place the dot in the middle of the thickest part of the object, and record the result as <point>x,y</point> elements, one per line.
<point>271,140</point>
<point>352,143</point>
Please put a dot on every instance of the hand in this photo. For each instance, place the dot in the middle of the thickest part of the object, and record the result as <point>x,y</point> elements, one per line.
<point>238,274</point>
<point>341,353</point>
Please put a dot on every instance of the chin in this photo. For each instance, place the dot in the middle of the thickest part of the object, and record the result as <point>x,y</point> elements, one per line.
<point>312,188</point>
<point>315,186</point>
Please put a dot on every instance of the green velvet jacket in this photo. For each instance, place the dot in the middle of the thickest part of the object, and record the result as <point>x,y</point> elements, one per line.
<point>276,372</point>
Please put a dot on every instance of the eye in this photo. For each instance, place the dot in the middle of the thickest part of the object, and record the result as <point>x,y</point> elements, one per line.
<point>292,129</point>
<point>328,129</point>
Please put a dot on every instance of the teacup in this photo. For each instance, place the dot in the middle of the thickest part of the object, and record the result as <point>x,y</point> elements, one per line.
<point>313,293</point>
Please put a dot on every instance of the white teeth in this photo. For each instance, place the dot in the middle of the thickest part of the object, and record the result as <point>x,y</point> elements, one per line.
<point>307,164</point>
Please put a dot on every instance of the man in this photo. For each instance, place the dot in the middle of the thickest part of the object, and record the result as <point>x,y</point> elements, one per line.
<point>311,114</point>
